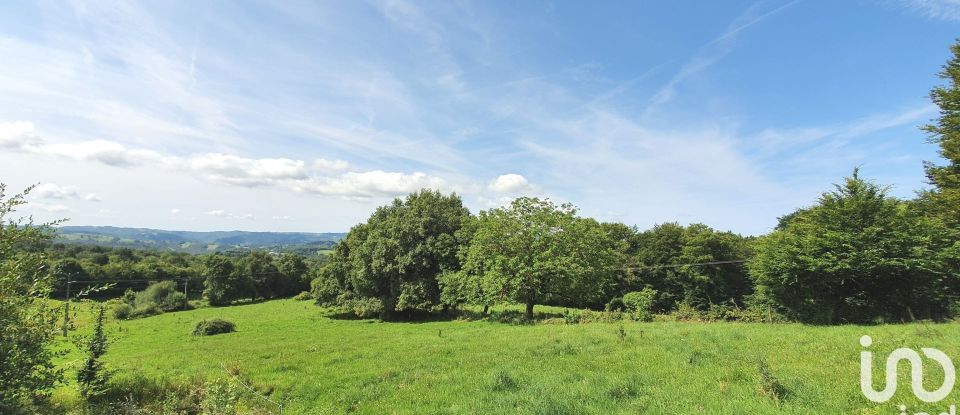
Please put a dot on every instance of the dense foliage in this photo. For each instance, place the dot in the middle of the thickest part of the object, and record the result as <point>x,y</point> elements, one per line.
<point>857,255</point>
<point>92,377</point>
<point>945,132</point>
<point>390,264</point>
<point>27,324</point>
<point>535,252</point>
<point>213,326</point>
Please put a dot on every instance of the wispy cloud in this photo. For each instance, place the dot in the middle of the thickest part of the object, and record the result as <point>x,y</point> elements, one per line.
<point>934,9</point>
<point>714,50</point>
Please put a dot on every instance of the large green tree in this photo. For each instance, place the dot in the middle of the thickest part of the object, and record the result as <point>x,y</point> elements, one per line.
<point>222,283</point>
<point>396,257</point>
<point>27,324</point>
<point>536,252</point>
<point>945,131</point>
<point>664,255</point>
<point>857,255</point>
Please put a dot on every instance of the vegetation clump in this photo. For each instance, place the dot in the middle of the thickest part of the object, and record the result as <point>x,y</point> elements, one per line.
<point>92,378</point>
<point>28,325</point>
<point>640,303</point>
<point>214,326</point>
<point>159,297</point>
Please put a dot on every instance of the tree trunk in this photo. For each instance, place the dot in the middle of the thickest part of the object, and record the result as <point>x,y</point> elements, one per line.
<point>530,310</point>
<point>486,309</point>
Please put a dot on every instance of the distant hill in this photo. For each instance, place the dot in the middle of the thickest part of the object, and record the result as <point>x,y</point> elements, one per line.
<point>197,242</point>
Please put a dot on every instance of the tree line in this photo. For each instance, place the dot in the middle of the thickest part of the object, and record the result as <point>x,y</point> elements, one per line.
<point>856,254</point>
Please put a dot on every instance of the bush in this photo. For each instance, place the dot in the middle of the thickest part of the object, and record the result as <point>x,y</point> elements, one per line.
<point>146,311</point>
<point>213,326</point>
<point>366,307</point>
<point>325,290</point>
<point>641,303</point>
<point>303,296</point>
<point>616,304</point>
<point>590,316</point>
<point>173,301</point>
<point>121,311</point>
<point>686,312</point>
<point>130,297</point>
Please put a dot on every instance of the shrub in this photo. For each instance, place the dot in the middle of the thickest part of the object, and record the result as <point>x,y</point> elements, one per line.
<point>325,290</point>
<point>221,397</point>
<point>366,307</point>
<point>303,296</point>
<point>173,301</point>
<point>121,311</point>
<point>213,326</point>
<point>641,303</point>
<point>92,378</point>
<point>590,316</point>
<point>145,311</point>
<point>686,312</point>
<point>130,297</point>
<point>616,304</point>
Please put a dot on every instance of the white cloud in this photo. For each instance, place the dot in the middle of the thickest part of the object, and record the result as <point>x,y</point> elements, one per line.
<point>107,152</point>
<point>376,183</point>
<point>174,211</point>
<point>18,136</point>
<point>509,183</point>
<point>220,213</point>
<point>53,191</point>
<point>246,172</point>
<point>281,217</point>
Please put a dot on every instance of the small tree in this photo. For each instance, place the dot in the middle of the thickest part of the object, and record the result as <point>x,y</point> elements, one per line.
<point>641,303</point>
<point>221,285</point>
<point>27,326</point>
<point>92,378</point>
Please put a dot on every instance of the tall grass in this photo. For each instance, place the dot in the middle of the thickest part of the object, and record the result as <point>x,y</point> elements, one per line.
<point>295,353</point>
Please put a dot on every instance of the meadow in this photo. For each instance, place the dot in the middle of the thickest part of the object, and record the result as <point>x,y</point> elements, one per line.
<point>313,362</point>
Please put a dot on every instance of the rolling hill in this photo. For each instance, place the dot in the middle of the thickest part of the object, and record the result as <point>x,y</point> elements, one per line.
<point>196,242</point>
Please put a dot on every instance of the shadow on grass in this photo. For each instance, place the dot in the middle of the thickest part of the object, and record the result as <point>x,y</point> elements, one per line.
<point>512,317</point>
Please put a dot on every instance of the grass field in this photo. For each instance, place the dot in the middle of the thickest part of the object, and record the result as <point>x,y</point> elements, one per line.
<point>316,364</point>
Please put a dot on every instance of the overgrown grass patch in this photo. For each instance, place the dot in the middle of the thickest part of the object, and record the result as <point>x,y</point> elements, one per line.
<point>293,351</point>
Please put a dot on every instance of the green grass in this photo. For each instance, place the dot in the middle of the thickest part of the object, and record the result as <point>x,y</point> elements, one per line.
<point>320,365</point>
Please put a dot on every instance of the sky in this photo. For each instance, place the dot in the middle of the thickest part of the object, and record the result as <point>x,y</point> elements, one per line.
<point>307,115</point>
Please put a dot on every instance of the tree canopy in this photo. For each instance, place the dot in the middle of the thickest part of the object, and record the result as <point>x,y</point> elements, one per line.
<point>536,252</point>
<point>857,255</point>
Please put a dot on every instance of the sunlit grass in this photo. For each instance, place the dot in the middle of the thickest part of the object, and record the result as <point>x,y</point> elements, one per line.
<point>316,364</point>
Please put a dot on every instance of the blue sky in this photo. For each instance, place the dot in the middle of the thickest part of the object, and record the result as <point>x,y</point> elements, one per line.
<point>307,115</point>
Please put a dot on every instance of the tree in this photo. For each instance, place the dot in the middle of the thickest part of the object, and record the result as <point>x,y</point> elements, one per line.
<point>265,279</point>
<point>666,245</point>
<point>92,378</point>
<point>945,131</point>
<point>856,256</point>
<point>27,326</point>
<point>535,252</point>
<point>222,285</point>
<point>395,258</point>
<point>294,273</point>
